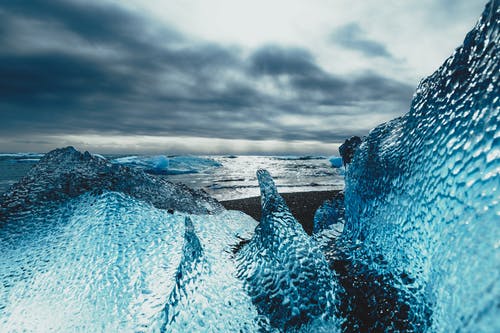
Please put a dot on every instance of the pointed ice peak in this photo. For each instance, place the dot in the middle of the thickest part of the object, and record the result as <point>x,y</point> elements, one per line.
<point>285,272</point>
<point>192,246</point>
<point>188,225</point>
<point>270,199</point>
<point>266,183</point>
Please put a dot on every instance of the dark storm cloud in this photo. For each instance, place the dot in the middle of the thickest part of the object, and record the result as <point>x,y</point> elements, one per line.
<point>351,36</point>
<point>314,84</point>
<point>275,60</point>
<point>77,68</point>
<point>92,21</point>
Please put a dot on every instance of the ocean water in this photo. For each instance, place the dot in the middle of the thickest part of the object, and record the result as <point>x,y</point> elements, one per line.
<point>230,177</point>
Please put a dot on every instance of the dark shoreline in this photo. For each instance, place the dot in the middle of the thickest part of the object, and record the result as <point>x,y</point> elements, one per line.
<point>302,204</point>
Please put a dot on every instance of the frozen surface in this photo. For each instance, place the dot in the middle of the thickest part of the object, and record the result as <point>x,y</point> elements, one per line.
<point>286,273</point>
<point>94,264</point>
<point>112,263</point>
<point>163,165</point>
<point>329,215</point>
<point>423,192</point>
<point>208,297</point>
<point>336,161</point>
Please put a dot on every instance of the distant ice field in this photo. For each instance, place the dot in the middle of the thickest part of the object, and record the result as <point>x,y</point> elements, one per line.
<point>223,177</point>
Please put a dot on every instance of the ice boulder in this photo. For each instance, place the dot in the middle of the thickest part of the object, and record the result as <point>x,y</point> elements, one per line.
<point>66,173</point>
<point>422,194</point>
<point>108,262</point>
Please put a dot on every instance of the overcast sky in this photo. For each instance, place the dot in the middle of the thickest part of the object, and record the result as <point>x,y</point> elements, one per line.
<point>218,76</point>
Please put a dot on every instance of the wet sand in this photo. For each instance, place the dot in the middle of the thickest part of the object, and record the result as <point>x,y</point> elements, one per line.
<point>302,204</point>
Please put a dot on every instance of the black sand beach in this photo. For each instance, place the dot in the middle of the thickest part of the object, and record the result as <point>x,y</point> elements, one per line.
<point>302,204</point>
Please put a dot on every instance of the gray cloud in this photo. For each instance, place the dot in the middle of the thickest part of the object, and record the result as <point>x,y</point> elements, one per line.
<point>275,60</point>
<point>351,36</point>
<point>313,84</point>
<point>121,74</point>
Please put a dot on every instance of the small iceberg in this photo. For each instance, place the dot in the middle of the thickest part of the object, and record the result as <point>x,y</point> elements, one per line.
<point>336,161</point>
<point>163,165</point>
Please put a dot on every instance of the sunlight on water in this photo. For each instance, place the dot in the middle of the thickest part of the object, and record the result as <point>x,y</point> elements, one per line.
<point>223,177</point>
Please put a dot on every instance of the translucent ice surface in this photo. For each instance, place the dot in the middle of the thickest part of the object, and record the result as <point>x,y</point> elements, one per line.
<point>286,274</point>
<point>110,263</point>
<point>208,297</point>
<point>330,215</point>
<point>423,192</point>
<point>336,161</point>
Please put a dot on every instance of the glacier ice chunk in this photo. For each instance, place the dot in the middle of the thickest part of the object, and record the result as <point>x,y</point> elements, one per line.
<point>110,262</point>
<point>286,273</point>
<point>336,161</point>
<point>66,173</point>
<point>88,264</point>
<point>423,191</point>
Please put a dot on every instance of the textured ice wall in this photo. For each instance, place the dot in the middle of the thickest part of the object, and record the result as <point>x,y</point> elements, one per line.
<point>108,263</point>
<point>423,192</point>
<point>330,213</point>
<point>286,273</point>
<point>208,297</point>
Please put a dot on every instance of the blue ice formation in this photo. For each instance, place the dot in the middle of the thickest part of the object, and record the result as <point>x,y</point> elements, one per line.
<point>287,275</point>
<point>111,263</point>
<point>422,195</point>
<point>88,245</point>
<point>336,161</point>
<point>87,264</point>
<point>329,214</point>
<point>163,165</point>
<point>67,173</point>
